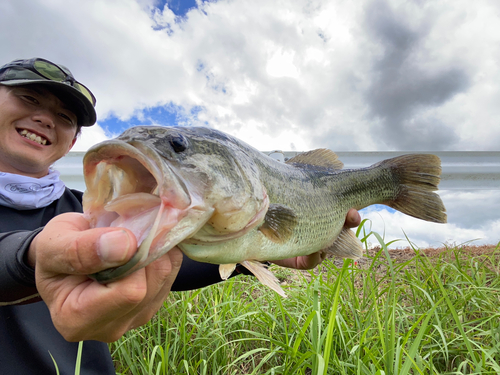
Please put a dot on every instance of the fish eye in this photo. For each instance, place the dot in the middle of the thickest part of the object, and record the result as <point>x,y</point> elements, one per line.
<point>178,142</point>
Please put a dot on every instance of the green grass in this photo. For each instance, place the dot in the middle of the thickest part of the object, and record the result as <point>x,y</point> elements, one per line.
<point>421,316</point>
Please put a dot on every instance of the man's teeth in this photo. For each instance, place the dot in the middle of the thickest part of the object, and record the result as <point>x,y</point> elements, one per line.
<point>34,137</point>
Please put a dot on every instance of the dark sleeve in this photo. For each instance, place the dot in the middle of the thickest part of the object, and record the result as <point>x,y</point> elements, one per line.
<point>196,275</point>
<point>17,279</point>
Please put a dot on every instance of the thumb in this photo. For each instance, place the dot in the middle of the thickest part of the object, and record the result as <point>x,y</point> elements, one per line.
<point>116,247</point>
<point>67,247</point>
<point>353,218</point>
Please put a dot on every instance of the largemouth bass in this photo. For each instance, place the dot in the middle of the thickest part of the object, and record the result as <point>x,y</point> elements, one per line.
<point>221,201</point>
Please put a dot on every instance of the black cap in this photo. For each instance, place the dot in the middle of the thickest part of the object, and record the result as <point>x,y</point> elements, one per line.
<point>28,72</point>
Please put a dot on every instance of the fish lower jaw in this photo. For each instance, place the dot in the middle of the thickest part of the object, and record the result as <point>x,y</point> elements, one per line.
<point>212,239</point>
<point>219,253</point>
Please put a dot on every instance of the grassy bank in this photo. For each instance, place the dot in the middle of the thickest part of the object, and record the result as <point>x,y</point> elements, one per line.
<point>424,315</point>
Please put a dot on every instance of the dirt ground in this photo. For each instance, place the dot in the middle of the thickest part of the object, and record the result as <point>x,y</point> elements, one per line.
<point>445,253</point>
<point>466,251</point>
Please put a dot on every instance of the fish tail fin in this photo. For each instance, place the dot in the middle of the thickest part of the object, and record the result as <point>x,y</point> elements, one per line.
<point>418,176</point>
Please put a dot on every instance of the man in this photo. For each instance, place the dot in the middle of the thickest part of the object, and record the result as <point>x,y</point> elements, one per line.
<point>47,303</point>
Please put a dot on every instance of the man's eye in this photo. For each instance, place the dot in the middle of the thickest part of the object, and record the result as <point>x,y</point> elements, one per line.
<point>30,99</point>
<point>66,117</point>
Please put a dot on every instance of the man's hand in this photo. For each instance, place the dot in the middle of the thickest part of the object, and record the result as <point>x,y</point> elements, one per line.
<point>67,250</point>
<point>307,262</point>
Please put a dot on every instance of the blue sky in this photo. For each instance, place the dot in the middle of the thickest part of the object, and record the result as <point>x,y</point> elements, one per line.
<point>179,7</point>
<point>165,115</point>
<point>162,114</point>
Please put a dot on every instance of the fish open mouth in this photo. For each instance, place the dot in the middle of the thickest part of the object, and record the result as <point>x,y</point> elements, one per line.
<point>131,188</point>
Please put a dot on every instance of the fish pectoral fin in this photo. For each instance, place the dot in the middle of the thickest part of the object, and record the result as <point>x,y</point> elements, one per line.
<point>265,276</point>
<point>226,270</point>
<point>279,223</point>
<point>347,245</point>
<point>321,157</point>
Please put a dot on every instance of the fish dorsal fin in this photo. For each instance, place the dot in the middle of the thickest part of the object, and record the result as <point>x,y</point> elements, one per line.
<point>226,270</point>
<point>322,157</point>
<point>279,223</point>
<point>347,245</point>
<point>265,276</point>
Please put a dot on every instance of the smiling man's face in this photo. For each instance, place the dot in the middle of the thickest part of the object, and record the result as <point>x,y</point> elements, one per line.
<point>36,129</point>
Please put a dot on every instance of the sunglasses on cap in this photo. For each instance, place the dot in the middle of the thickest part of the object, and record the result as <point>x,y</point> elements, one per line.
<point>24,69</point>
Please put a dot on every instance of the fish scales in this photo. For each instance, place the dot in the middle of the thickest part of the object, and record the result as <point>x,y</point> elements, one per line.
<point>312,197</point>
<point>221,201</point>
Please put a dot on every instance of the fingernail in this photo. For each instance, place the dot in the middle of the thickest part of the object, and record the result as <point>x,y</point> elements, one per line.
<point>113,247</point>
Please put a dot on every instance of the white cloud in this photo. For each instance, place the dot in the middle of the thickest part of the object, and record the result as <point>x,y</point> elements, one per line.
<point>291,75</point>
<point>289,72</point>
<point>89,137</point>
<point>472,216</point>
<point>281,65</point>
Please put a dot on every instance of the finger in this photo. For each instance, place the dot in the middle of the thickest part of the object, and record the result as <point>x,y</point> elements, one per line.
<point>353,218</point>
<point>301,262</point>
<point>67,246</point>
<point>161,275</point>
<point>90,251</point>
<point>309,261</point>
<point>103,310</point>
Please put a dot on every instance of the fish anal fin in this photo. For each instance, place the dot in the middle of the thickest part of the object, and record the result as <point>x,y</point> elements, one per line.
<point>347,245</point>
<point>321,157</point>
<point>265,276</point>
<point>279,223</point>
<point>226,270</point>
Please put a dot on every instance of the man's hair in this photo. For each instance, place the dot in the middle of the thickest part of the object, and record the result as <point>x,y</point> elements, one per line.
<point>78,130</point>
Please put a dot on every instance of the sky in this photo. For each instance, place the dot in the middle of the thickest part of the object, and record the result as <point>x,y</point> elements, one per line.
<point>366,75</point>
